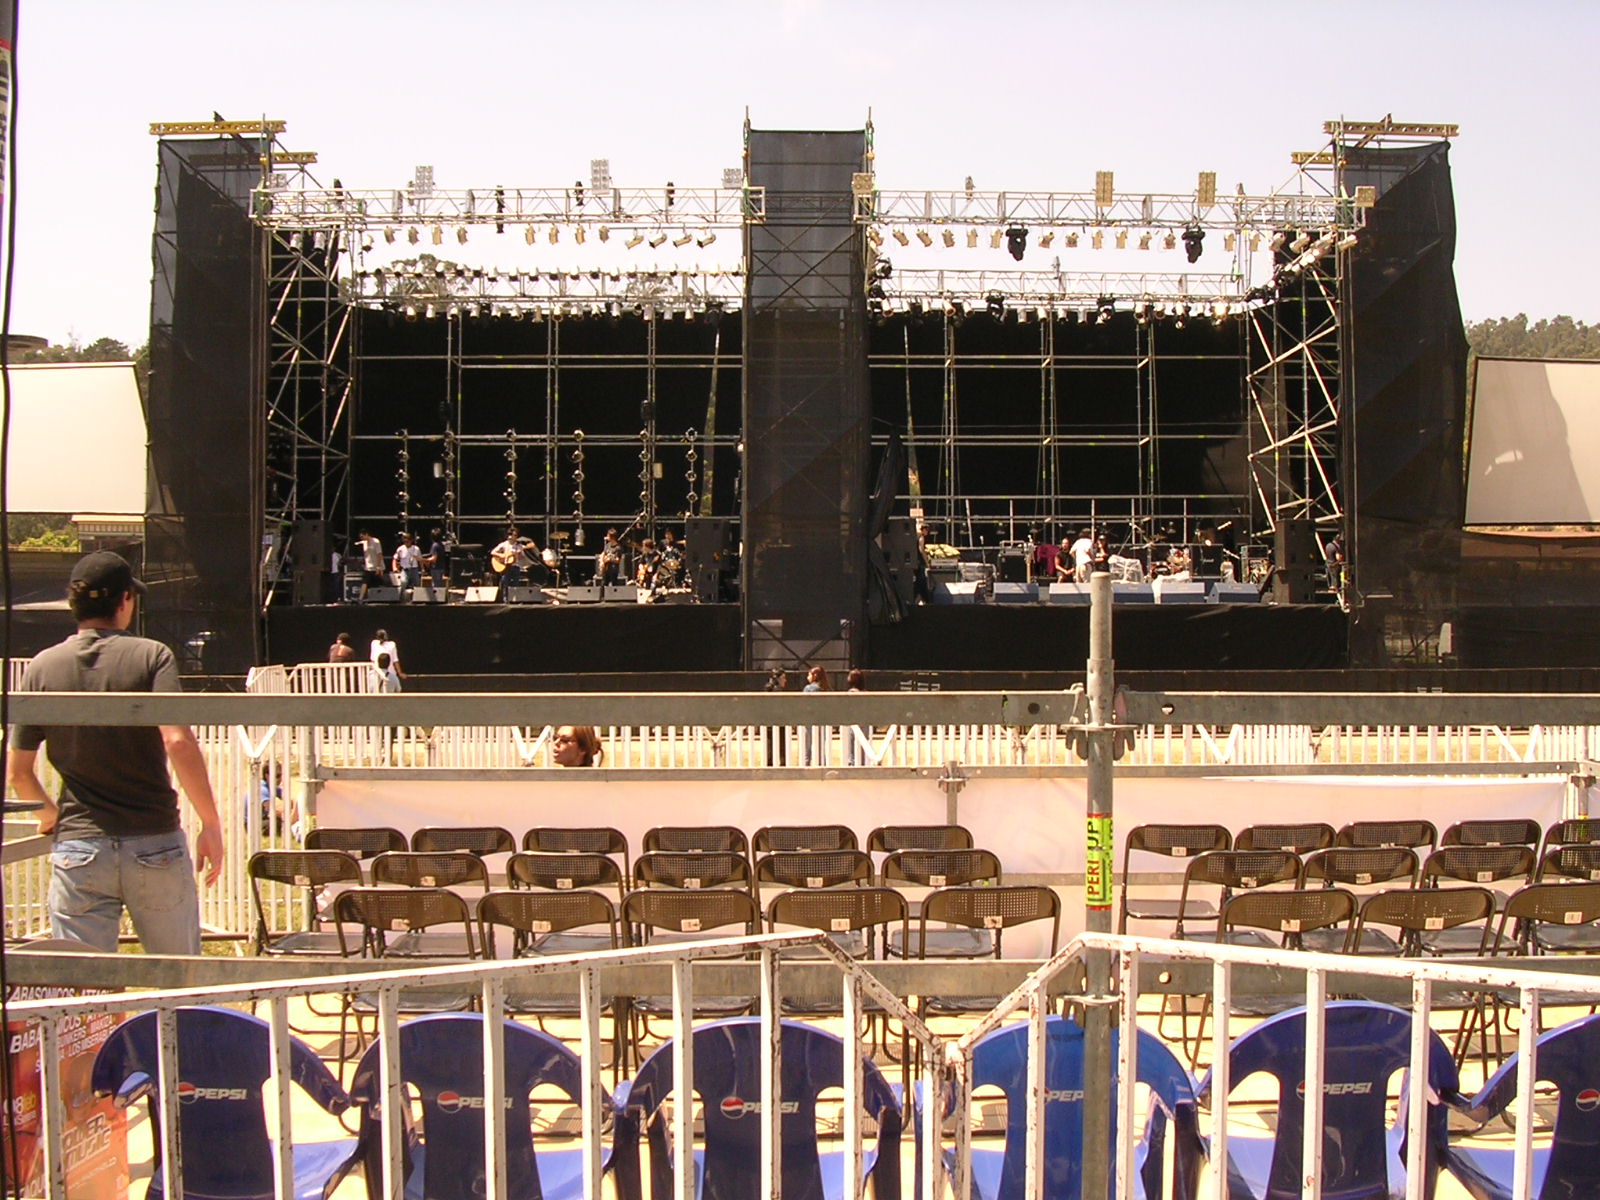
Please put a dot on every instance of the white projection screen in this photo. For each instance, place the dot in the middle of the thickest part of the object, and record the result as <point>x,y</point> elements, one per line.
<point>1535,443</point>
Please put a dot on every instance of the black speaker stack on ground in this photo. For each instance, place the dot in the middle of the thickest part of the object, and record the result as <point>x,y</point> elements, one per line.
<point>1295,560</point>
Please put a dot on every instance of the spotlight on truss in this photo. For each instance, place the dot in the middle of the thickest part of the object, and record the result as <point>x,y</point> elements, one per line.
<point>1193,243</point>
<point>1017,241</point>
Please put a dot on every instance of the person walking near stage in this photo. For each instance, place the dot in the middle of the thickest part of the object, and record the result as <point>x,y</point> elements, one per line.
<point>383,644</point>
<point>814,738</point>
<point>372,562</point>
<point>118,842</point>
<point>342,650</point>
<point>777,736</point>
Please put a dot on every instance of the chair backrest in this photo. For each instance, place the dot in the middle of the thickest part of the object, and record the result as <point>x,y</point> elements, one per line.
<point>887,838</point>
<point>1563,904</point>
<point>1298,838</point>
<point>692,869</point>
<point>429,868</point>
<point>224,1059</point>
<point>993,908</point>
<point>841,910</point>
<point>379,912</point>
<point>1418,835</point>
<point>1365,1044</point>
<point>1000,1060</point>
<point>368,842</point>
<point>1360,866</point>
<point>1236,870</point>
<point>1565,1058</point>
<point>442,1057</point>
<point>1479,864</point>
<point>1174,841</point>
<point>584,839</point>
<point>727,1074</point>
<point>1290,914</point>
<point>679,910</point>
<point>774,839</point>
<point>940,868</point>
<point>690,839</point>
<point>563,872</point>
<point>1575,831</point>
<point>308,871</point>
<point>1508,831</point>
<point>1571,860</point>
<point>814,868</point>
<point>474,839</point>
<point>1416,911</point>
<point>532,915</point>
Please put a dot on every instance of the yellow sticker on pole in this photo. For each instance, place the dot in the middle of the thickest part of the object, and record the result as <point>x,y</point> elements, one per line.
<point>1097,866</point>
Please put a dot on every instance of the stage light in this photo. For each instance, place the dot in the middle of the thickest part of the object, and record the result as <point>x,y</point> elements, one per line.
<point>388,234</point>
<point>461,234</point>
<point>706,238</point>
<point>1107,305</point>
<point>529,234</point>
<point>579,235</point>
<point>437,233</point>
<point>683,239</point>
<point>948,237</point>
<point>554,235</point>
<point>1017,242</point>
<point>411,312</point>
<point>1278,239</point>
<point>1047,237</point>
<point>1044,313</point>
<point>1170,242</point>
<point>924,237</point>
<point>430,312</point>
<point>634,241</point>
<point>1206,191</point>
<point>1122,239</point>
<point>412,234</point>
<point>972,239</point>
<point>1348,241</point>
<point>874,235</point>
<point>900,236</point>
<point>1098,240</point>
<point>474,309</point>
<point>1193,242</point>
<point>1141,312</point>
<point>1300,243</point>
<point>996,304</point>
<point>1072,241</point>
<point>366,242</point>
<point>604,233</point>
<point>1104,193</point>
<point>1144,240</point>
<point>659,240</point>
<point>994,239</point>
<point>1255,242</point>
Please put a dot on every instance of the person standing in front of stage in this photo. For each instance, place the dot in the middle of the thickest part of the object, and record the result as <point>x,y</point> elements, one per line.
<point>670,573</point>
<point>813,738</point>
<point>118,841</point>
<point>383,644</point>
<point>372,562</point>
<point>386,674</point>
<point>777,736</point>
<point>854,735</point>
<point>576,746</point>
<point>408,561</point>
<point>342,650</point>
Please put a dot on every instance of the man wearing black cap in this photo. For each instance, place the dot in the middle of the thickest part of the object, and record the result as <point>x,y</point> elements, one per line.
<point>117,839</point>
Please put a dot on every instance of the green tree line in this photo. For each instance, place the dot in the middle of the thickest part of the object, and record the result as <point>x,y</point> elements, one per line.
<point>1517,337</point>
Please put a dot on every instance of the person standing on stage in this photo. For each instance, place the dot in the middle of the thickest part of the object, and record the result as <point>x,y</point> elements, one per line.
<point>608,563</point>
<point>408,561</point>
<point>512,558</point>
<point>1082,552</point>
<point>372,562</point>
<point>437,560</point>
<point>118,842</point>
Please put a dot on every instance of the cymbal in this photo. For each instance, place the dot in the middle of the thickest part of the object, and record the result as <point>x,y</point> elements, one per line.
<point>560,535</point>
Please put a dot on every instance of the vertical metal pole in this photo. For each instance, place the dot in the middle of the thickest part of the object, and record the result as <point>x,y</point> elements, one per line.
<point>281,1041</point>
<point>771,1076</point>
<point>1127,1072</point>
<point>1097,898</point>
<point>854,1084</point>
<point>589,1005</point>
<point>1316,1042</point>
<point>392,1090</point>
<point>494,1088</point>
<point>1221,1074</point>
<point>52,1109</point>
<point>168,1072</point>
<point>1038,1083</point>
<point>683,1077</point>
<point>1527,1076</point>
<point>1417,1089</point>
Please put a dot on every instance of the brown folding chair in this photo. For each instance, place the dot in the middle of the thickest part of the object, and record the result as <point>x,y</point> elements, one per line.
<point>1479,864</point>
<point>581,839</point>
<point>887,838</point>
<point>1297,838</point>
<point>1230,871</point>
<point>1290,914</point>
<point>854,918</point>
<point>429,869</point>
<point>1574,831</point>
<point>691,869</point>
<point>1352,867</point>
<point>306,872</point>
<point>481,840</point>
<point>1507,831</point>
<point>940,868</point>
<point>814,868</point>
<point>1571,860</point>
<point>777,839</point>
<point>1416,835</point>
<point>564,872</point>
<point>363,843</point>
<point>697,839</point>
<point>1180,842</point>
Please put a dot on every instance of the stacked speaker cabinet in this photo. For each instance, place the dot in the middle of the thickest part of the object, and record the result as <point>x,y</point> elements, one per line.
<point>1295,558</point>
<point>708,556</point>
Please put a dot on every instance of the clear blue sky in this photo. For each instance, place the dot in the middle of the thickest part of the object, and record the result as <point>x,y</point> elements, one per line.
<point>1017,95</point>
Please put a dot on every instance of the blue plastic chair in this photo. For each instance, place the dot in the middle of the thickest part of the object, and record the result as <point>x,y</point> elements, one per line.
<point>1001,1060</point>
<point>1569,1166</point>
<point>1362,1156</point>
<point>727,1074</point>
<point>224,1060</point>
<point>441,1056</point>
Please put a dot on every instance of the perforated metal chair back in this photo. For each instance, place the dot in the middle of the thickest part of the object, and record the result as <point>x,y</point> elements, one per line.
<point>697,839</point>
<point>1479,863</point>
<point>1418,835</point>
<point>1290,914</point>
<point>650,911</point>
<point>1416,912</point>
<point>389,920</point>
<point>1168,841</point>
<point>1360,866</point>
<point>995,909</point>
<point>1576,831</point>
<point>474,839</point>
<point>307,872</point>
<point>777,839</point>
<point>708,869</point>
<point>1298,838</point>
<point>888,838</point>
<point>1509,831</point>
<point>842,910</point>
<point>364,843</point>
<point>1550,918</point>
<point>534,917</point>
<point>1231,871</point>
<point>940,868</point>
<point>582,839</point>
<point>1575,860</point>
<point>564,872</point>
<point>814,868</point>
<point>429,869</point>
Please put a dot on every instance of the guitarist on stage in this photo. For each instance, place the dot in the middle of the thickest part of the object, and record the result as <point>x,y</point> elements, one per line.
<point>512,558</point>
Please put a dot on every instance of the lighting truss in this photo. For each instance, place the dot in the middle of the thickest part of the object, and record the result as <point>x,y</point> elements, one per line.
<point>286,207</point>
<point>1059,291</point>
<point>515,293</point>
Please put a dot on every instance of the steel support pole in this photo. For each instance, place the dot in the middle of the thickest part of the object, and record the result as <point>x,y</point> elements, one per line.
<point>1097,1065</point>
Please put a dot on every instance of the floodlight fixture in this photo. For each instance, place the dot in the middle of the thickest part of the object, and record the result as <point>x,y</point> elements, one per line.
<point>1017,241</point>
<point>996,304</point>
<point>412,234</point>
<point>1046,238</point>
<point>635,240</point>
<point>972,239</point>
<point>924,237</point>
<point>707,236</point>
<point>461,234</point>
<point>900,236</point>
<point>1098,239</point>
<point>948,236</point>
<point>658,240</point>
<point>1194,242</point>
<point>1072,241</point>
<point>1122,239</point>
<point>529,234</point>
<point>1144,240</point>
<point>437,233</point>
<point>1278,240</point>
<point>995,238</point>
<point>683,239</point>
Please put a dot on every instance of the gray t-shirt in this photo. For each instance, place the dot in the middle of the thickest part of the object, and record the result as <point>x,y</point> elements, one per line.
<point>114,780</point>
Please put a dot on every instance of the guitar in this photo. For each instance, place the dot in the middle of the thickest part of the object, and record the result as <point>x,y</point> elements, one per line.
<point>502,560</point>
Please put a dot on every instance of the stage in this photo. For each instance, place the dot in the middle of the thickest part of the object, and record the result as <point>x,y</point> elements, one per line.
<point>601,639</point>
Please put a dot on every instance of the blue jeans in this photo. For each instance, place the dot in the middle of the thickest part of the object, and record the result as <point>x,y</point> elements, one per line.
<point>93,879</point>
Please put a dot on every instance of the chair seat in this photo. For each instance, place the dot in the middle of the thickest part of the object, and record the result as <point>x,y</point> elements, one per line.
<point>1250,1165</point>
<point>987,1165</point>
<point>314,1164</point>
<point>1463,939</point>
<point>1331,941</point>
<point>831,1162</point>
<point>417,1000</point>
<point>704,1006</point>
<point>310,942</point>
<point>1486,1173</point>
<point>1568,939</point>
<point>1169,910</point>
<point>571,943</point>
<point>430,943</point>
<point>945,943</point>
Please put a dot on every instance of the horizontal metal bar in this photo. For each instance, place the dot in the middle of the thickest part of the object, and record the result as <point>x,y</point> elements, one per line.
<point>1360,708</point>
